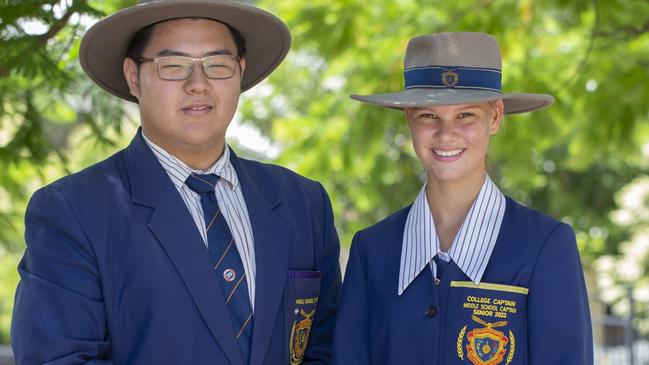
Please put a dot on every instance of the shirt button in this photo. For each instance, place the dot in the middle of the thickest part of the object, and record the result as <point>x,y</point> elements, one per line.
<point>430,312</point>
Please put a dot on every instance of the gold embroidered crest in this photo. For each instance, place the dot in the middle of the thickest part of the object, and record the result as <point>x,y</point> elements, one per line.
<point>300,336</point>
<point>486,346</point>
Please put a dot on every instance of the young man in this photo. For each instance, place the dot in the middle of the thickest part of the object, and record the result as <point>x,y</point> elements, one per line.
<point>175,250</point>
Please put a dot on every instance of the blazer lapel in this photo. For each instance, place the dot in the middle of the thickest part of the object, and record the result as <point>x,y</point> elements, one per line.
<point>175,230</point>
<point>271,237</point>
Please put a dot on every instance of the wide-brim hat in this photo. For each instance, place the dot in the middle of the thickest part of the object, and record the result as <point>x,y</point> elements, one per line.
<point>454,68</point>
<point>104,45</point>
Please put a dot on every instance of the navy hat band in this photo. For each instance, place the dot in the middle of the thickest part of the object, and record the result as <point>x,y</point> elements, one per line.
<point>452,77</point>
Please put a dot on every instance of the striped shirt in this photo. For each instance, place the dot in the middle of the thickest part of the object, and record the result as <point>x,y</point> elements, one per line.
<point>230,199</point>
<point>472,246</point>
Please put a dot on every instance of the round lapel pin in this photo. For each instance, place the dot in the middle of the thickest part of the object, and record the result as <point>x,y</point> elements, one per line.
<point>229,275</point>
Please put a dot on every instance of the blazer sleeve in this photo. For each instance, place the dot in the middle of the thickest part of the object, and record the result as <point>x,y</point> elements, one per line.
<point>321,337</point>
<point>351,337</point>
<point>558,314</point>
<point>59,313</point>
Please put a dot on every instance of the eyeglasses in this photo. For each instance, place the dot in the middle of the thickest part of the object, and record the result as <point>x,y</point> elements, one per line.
<point>174,68</point>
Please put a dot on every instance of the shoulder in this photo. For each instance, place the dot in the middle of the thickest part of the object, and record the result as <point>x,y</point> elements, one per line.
<point>383,236</point>
<point>272,171</point>
<point>528,217</point>
<point>535,226</point>
<point>394,223</point>
<point>280,179</point>
<point>89,185</point>
<point>527,234</point>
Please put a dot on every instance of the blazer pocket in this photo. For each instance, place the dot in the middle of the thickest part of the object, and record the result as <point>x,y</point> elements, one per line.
<point>300,304</point>
<point>488,322</point>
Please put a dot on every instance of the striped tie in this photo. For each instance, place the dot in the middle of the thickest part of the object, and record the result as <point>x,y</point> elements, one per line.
<point>226,260</point>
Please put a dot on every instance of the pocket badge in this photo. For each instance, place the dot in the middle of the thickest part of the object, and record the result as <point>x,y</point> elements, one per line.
<point>300,336</point>
<point>486,345</point>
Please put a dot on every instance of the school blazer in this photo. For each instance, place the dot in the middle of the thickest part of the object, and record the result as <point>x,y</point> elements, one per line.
<point>115,271</point>
<point>531,306</point>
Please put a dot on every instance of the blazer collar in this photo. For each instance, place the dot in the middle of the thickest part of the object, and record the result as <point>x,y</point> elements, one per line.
<point>147,178</point>
<point>472,246</point>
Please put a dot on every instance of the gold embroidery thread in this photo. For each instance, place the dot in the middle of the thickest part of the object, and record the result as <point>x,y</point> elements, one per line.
<point>300,336</point>
<point>460,339</point>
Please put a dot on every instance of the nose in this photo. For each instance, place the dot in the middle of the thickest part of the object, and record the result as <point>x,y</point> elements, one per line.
<point>445,131</point>
<point>197,82</point>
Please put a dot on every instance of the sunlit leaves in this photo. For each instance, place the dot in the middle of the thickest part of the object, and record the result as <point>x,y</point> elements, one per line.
<point>569,160</point>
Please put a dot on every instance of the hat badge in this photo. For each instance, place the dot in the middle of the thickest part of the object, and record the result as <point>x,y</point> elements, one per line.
<point>450,78</point>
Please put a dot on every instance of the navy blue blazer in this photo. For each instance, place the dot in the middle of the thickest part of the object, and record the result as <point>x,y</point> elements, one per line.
<point>530,308</point>
<point>115,271</point>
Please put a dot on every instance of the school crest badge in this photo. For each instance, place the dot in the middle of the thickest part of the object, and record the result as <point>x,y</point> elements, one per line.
<point>300,336</point>
<point>450,78</point>
<point>486,345</point>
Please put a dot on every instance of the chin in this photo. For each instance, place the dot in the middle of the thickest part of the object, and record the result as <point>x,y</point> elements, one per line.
<point>449,174</point>
<point>445,178</point>
<point>203,140</point>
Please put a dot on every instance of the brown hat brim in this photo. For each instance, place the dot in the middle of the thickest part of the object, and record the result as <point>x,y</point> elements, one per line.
<point>422,97</point>
<point>104,45</point>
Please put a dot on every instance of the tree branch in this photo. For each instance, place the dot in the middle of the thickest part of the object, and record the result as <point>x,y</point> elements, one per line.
<point>57,26</point>
<point>591,45</point>
<point>625,32</point>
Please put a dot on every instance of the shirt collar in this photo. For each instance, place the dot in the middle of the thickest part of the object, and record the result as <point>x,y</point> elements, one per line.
<point>472,246</point>
<point>178,171</point>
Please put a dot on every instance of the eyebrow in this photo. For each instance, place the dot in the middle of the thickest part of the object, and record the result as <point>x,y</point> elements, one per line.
<point>169,52</point>
<point>472,106</point>
<point>463,109</point>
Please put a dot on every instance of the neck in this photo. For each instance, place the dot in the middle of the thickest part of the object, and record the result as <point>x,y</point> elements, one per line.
<point>196,157</point>
<point>449,203</point>
<point>198,161</point>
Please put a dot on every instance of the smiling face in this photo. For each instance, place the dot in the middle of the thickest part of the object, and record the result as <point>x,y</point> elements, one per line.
<point>452,141</point>
<point>188,118</point>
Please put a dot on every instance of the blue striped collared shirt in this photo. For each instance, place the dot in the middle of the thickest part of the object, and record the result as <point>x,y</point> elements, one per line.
<point>230,198</point>
<point>472,246</point>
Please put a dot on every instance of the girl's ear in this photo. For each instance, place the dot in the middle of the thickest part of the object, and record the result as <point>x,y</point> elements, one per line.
<point>497,116</point>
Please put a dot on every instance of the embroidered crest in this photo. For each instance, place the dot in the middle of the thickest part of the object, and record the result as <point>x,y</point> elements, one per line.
<point>486,345</point>
<point>300,336</point>
<point>450,78</point>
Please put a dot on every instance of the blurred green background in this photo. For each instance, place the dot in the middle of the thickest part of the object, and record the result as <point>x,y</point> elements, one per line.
<point>585,160</point>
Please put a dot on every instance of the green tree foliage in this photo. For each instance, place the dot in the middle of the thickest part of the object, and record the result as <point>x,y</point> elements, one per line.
<point>569,160</point>
<point>629,268</point>
<point>44,96</point>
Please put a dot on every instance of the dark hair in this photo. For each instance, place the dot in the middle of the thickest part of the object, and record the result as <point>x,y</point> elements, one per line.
<point>141,40</point>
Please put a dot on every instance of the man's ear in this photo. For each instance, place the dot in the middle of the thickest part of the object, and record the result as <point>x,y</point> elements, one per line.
<point>242,67</point>
<point>131,76</point>
<point>497,116</point>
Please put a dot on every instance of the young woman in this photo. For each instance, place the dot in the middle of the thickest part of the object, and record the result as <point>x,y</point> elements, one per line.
<point>464,275</point>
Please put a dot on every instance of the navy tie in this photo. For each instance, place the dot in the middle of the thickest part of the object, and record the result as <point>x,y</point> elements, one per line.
<point>225,260</point>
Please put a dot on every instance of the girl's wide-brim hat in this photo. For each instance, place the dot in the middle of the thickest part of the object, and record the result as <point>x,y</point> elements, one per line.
<point>104,45</point>
<point>454,68</point>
